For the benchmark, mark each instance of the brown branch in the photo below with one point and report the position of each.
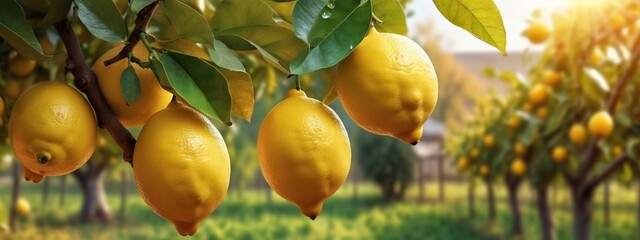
(142, 21)
(607, 172)
(86, 81)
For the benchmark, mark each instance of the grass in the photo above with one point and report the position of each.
(250, 216)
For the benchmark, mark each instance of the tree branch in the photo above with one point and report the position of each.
(607, 172)
(142, 21)
(86, 81)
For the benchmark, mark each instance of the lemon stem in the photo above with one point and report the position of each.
(152, 51)
(43, 157)
(297, 81)
(375, 18)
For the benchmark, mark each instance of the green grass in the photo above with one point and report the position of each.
(250, 216)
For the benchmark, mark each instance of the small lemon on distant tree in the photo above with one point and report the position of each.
(21, 66)
(475, 153)
(542, 113)
(538, 94)
(527, 107)
(617, 151)
(617, 20)
(601, 124)
(518, 167)
(537, 32)
(520, 149)
(514, 122)
(484, 170)
(551, 77)
(388, 86)
(596, 57)
(489, 141)
(12, 89)
(463, 164)
(23, 208)
(578, 134)
(559, 154)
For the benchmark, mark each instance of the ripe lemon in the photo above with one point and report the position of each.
(520, 149)
(388, 86)
(617, 21)
(617, 151)
(489, 141)
(559, 154)
(475, 153)
(514, 122)
(463, 164)
(52, 130)
(527, 107)
(518, 167)
(538, 32)
(12, 88)
(484, 170)
(551, 78)
(601, 124)
(181, 166)
(21, 66)
(596, 57)
(23, 208)
(152, 97)
(542, 113)
(578, 134)
(538, 94)
(304, 151)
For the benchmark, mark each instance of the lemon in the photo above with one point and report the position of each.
(475, 153)
(518, 167)
(527, 107)
(514, 122)
(559, 154)
(596, 57)
(484, 170)
(23, 207)
(617, 21)
(303, 151)
(538, 32)
(538, 94)
(52, 130)
(551, 78)
(388, 86)
(21, 66)
(152, 97)
(601, 124)
(617, 151)
(578, 134)
(12, 88)
(181, 166)
(463, 164)
(520, 149)
(542, 113)
(489, 141)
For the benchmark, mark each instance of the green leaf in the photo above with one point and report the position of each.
(241, 13)
(593, 84)
(137, 5)
(331, 33)
(15, 29)
(187, 23)
(130, 85)
(224, 57)
(103, 19)
(392, 16)
(241, 89)
(200, 84)
(481, 18)
(597, 79)
(283, 0)
(57, 12)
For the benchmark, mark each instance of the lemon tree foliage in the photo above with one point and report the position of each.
(172, 66)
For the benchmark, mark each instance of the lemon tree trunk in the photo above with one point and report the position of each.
(513, 184)
(544, 211)
(94, 202)
(491, 201)
(582, 213)
(15, 194)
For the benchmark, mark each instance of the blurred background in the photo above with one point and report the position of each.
(394, 190)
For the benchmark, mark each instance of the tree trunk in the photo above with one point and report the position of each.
(491, 201)
(441, 178)
(582, 201)
(123, 196)
(605, 206)
(45, 190)
(471, 197)
(63, 189)
(512, 190)
(94, 204)
(544, 211)
(15, 194)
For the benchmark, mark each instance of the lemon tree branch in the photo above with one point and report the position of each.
(86, 81)
(142, 21)
(607, 172)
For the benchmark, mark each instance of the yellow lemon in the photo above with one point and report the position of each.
(578, 134)
(617, 20)
(303, 151)
(601, 124)
(559, 154)
(514, 122)
(23, 207)
(520, 149)
(153, 97)
(617, 151)
(181, 166)
(542, 113)
(52, 130)
(538, 94)
(518, 167)
(489, 141)
(21, 66)
(596, 57)
(551, 77)
(12, 88)
(388, 86)
(527, 107)
(463, 164)
(538, 32)
(484, 170)
(475, 153)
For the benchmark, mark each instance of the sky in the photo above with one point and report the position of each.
(514, 15)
